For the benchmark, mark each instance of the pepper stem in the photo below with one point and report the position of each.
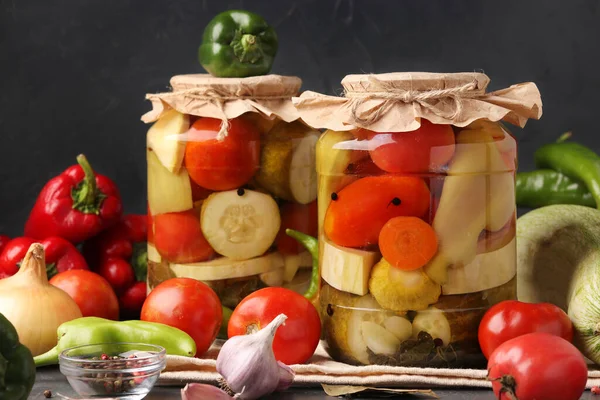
(48, 358)
(86, 197)
(564, 137)
(246, 47)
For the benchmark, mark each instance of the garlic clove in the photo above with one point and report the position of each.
(249, 367)
(286, 376)
(199, 391)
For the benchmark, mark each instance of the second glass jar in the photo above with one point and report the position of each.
(417, 241)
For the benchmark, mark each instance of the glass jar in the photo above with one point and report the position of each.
(221, 193)
(417, 213)
(417, 237)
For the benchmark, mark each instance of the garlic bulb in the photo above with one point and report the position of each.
(249, 367)
(33, 306)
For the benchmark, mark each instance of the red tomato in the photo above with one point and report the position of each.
(186, 304)
(91, 292)
(179, 239)
(296, 341)
(222, 164)
(300, 217)
(511, 318)
(364, 167)
(132, 300)
(427, 149)
(537, 366)
(118, 273)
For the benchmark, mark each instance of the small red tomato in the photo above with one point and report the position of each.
(222, 164)
(296, 341)
(178, 237)
(186, 304)
(426, 149)
(92, 293)
(132, 300)
(300, 217)
(511, 318)
(595, 390)
(537, 366)
(118, 273)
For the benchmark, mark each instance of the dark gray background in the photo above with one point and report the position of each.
(73, 73)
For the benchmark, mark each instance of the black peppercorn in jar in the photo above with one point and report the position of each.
(230, 167)
(416, 213)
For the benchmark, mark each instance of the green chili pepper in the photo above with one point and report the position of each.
(545, 187)
(226, 316)
(573, 160)
(92, 330)
(312, 245)
(17, 370)
(238, 44)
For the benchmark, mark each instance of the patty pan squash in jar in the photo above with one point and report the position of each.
(417, 213)
(230, 167)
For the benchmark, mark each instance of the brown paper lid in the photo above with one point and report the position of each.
(395, 102)
(226, 98)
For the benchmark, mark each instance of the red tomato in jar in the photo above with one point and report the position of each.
(300, 217)
(296, 341)
(426, 149)
(186, 304)
(509, 319)
(92, 293)
(222, 164)
(178, 237)
(537, 366)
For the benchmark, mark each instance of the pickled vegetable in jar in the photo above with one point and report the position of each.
(417, 213)
(230, 167)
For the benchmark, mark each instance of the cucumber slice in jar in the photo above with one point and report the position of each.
(240, 224)
(434, 322)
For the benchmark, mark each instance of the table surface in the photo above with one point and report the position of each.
(50, 378)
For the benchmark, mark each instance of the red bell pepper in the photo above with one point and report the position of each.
(61, 255)
(119, 254)
(75, 205)
(4, 239)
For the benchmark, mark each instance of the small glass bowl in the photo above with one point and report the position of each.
(125, 371)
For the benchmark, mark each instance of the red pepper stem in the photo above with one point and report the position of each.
(88, 194)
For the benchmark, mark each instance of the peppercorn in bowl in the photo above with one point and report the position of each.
(125, 371)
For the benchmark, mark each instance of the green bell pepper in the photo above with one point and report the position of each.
(544, 187)
(238, 44)
(92, 330)
(17, 370)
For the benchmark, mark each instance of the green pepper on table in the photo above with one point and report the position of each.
(545, 187)
(238, 44)
(92, 330)
(573, 160)
(17, 370)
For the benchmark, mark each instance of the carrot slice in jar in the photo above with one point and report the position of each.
(407, 243)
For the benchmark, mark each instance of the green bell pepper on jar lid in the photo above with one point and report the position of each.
(93, 330)
(238, 44)
(17, 370)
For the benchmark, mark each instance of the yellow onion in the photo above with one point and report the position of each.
(33, 306)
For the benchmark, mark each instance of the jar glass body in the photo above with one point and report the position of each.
(218, 206)
(417, 241)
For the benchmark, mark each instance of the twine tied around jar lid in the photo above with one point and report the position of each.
(396, 102)
(227, 98)
(388, 92)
